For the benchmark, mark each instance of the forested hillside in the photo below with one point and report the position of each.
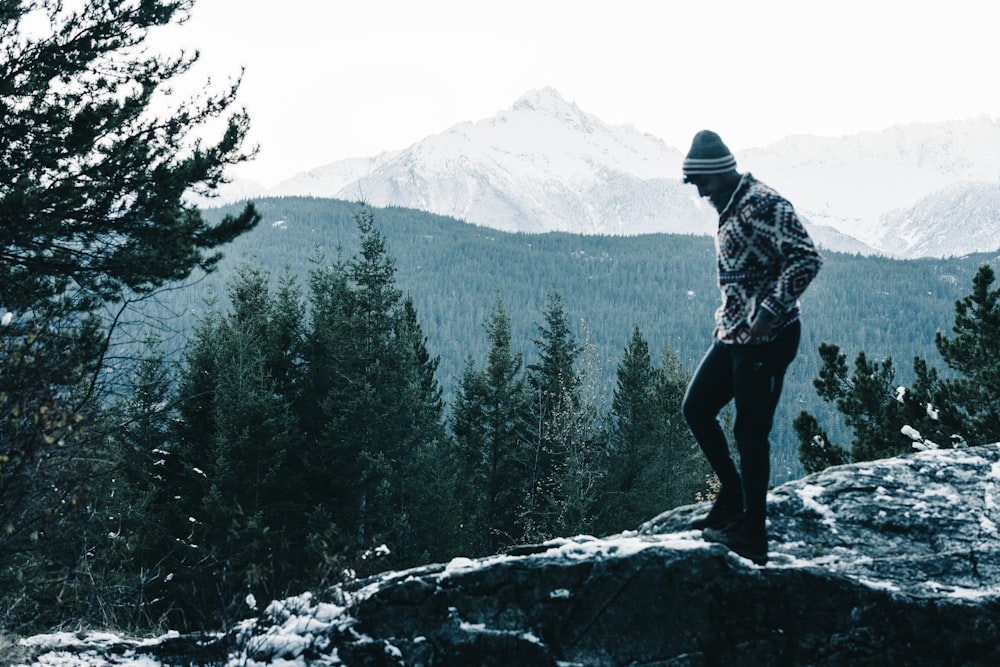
(662, 284)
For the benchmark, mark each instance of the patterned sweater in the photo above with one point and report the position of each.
(765, 260)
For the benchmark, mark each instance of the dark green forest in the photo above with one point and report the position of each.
(662, 284)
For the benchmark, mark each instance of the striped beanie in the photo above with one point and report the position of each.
(708, 155)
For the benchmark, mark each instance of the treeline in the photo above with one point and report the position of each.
(662, 284)
(303, 440)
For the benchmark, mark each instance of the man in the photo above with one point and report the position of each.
(765, 261)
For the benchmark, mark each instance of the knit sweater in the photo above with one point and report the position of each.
(766, 259)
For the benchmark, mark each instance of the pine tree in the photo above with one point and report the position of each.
(427, 480)
(654, 463)
(92, 180)
(238, 514)
(868, 399)
(330, 455)
(633, 441)
(934, 412)
(969, 404)
(379, 413)
(92, 212)
(487, 422)
(816, 450)
(685, 469)
(377, 424)
(561, 455)
(128, 522)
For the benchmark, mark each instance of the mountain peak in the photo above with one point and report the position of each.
(549, 104)
(545, 99)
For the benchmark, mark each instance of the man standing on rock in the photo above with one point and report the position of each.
(765, 260)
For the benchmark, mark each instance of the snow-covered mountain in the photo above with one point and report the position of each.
(544, 164)
(946, 222)
(924, 189)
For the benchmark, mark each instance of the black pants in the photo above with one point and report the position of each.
(752, 376)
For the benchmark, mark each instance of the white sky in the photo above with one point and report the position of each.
(332, 79)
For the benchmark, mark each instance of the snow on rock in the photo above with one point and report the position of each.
(885, 562)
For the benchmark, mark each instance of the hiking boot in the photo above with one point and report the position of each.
(741, 539)
(727, 506)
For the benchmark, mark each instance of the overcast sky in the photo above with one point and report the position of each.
(332, 79)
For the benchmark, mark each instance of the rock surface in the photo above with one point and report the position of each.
(890, 562)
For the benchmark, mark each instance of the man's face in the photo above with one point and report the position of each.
(711, 186)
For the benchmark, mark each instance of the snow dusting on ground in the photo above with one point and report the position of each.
(879, 524)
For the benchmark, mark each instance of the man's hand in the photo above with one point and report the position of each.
(762, 327)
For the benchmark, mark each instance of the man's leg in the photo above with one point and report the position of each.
(758, 376)
(710, 389)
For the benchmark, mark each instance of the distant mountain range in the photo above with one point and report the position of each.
(544, 164)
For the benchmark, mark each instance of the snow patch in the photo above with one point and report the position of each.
(808, 494)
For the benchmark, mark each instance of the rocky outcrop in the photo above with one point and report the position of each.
(891, 562)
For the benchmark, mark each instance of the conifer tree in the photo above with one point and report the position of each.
(934, 412)
(685, 468)
(427, 479)
(127, 528)
(632, 439)
(95, 161)
(816, 450)
(331, 458)
(653, 463)
(379, 408)
(231, 478)
(968, 405)
(487, 422)
(92, 180)
(867, 399)
(561, 454)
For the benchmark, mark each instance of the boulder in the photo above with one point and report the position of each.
(883, 563)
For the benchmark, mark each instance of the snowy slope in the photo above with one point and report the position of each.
(334, 179)
(955, 221)
(544, 164)
(857, 183)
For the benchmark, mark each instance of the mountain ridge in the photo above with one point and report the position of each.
(545, 164)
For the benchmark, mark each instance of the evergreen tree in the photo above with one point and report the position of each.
(561, 455)
(128, 521)
(968, 404)
(633, 442)
(377, 427)
(868, 400)
(92, 180)
(231, 479)
(654, 463)
(935, 412)
(427, 480)
(92, 185)
(816, 450)
(331, 458)
(487, 422)
(685, 469)
(379, 409)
